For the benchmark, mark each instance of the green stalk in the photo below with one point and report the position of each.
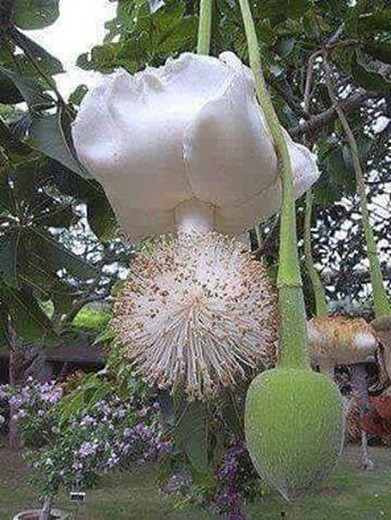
(319, 292)
(381, 302)
(258, 234)
(293, 332)
(204, 27)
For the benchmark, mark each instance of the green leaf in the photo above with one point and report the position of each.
(100, 215)
(27, 317)
(23, 178)
(9, 94)
(6, 202)
(4, 329)
(232, 415)
(78, 94)
(11, 144)
(279, 10)
(375, 22)
(57, 256)
(9, 258)
(285, 47)
(107, 335)
(31, 90)
(380, 51)
(55, 215)
(35, 14)
(93, 390)
(49, 137)
(366, 75)
(43, 58)
(191, 435)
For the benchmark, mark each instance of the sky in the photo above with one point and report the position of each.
(79, 27)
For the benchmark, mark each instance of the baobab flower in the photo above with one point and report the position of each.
(196, 313)
(191, 130)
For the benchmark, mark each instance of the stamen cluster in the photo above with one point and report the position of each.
(197, 312)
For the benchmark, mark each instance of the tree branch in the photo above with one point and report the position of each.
(362, 276)
(315, 124)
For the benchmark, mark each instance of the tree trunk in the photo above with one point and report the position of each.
(24, 361)
(14, 440)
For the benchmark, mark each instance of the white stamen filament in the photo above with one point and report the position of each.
(196, 311)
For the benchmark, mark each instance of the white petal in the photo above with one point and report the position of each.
(190, 129)
(227, 148)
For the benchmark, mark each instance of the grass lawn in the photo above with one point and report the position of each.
(351, 495)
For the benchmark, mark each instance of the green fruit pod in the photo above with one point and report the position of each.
(294, 425)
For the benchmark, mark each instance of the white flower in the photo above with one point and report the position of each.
(198, 312)
(190, 130)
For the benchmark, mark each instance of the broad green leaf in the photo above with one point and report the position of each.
(4, 338)
(62, 301)
(232, 415)
(366, 75)
(69, 183)
(31, 90)
(11, 144)
(78, 94)
(285, 47)
(107, 335)
(100, 215)
(57, 256)
(167, 408)
(9, 93)
(279, 10)
(55, 215)
(35, 14)
(380, 51)
(375, 22)
(49, 137)
(9, 258)
(23, 178)
(44, 59)
(6, 200)
(27, 317)
(192, 435)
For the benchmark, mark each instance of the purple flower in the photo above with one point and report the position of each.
(87, 449)
(87, 420)
(143, 412)
(128, 432)
(143, 431)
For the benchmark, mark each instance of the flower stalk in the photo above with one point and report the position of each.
(293, 335)
(204, 27)
(381, 302)
(319, 292)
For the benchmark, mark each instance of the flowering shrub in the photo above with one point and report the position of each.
(73, 447)
(234, 481)
(37, 416)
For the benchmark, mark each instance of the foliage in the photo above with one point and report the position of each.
(42, 187)
(72, 450)
(235, 481)
(92, 319)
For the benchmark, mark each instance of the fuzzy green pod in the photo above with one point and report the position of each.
(294, 424)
